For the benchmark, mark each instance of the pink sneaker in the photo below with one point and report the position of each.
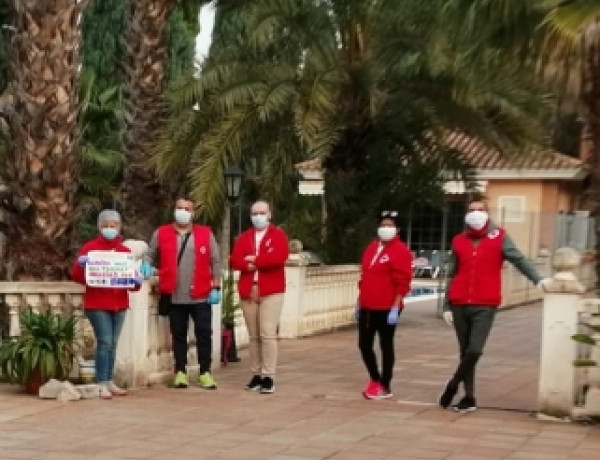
(374, 390)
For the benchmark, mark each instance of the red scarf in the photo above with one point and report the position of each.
(477, 234)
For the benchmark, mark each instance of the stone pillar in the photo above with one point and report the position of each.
(290, 325)
(556, 389)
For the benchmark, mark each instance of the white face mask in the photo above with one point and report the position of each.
(260, 221)
(386, 233)
(182, 217)
(476, 219)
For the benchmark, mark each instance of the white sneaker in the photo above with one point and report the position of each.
(105, 392)
(115, 390)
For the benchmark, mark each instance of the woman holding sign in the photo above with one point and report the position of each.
(107, 277)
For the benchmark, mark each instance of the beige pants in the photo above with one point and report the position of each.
(262, 318)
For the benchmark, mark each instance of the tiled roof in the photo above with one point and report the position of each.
(482, 157)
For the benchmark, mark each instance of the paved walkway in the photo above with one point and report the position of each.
(317, 411)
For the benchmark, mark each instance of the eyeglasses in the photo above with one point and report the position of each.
(389, 213)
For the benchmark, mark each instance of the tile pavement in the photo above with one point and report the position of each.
(317, 411)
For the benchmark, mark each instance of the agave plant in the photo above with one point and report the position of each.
(44, 350)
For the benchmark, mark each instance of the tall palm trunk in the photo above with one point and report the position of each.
(40, 167)
(146, 58)
(591, 98)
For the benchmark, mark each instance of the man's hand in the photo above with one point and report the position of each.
(146, 270)
(543, 284)
(251, 267)
(394, 315)
(250, 259)
(214, 297)
(82, 260)
(447, 315)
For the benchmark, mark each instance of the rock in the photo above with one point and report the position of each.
(88, 391)
(50, 389)
(68, 393)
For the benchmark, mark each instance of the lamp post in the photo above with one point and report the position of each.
(233, 184)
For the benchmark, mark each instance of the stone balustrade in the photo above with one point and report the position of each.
(565, 390)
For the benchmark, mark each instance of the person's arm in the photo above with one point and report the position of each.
(215, 262)
(274, 255)
(77, 271)
(511, 253)
(150, 256)
(237, 255)
(452, 269)
(401, 275)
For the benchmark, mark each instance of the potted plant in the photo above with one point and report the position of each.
(44, 350)
(229, 308)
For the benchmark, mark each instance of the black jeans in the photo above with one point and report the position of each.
(179, 316)
(472, 326)
(370, 323)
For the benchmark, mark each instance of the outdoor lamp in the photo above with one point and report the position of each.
(233, 182)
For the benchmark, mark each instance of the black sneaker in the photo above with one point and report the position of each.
(255, 383)
(267, 386)
(448, 394)
(466, 404)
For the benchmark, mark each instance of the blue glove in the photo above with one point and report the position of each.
(214, 297)
(393, 316)
(356, 311)
(82, 260)
(146, 270)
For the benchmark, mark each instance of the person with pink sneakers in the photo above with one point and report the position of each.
(385, 280)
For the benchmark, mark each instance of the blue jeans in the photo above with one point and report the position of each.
(107, 327)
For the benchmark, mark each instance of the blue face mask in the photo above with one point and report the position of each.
(109, 233)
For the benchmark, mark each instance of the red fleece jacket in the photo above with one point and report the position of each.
(111, 299)
(384, 276)
(270, 261)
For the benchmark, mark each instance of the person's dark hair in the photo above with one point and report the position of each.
(186, 198)
(477, 197)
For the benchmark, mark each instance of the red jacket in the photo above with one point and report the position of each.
(270, 261)
(385, 276)
(478, 277)
(167, 261)
(111, 299)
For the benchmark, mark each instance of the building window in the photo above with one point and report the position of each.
(511, 209)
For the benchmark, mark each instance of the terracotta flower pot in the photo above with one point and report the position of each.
(33, 384)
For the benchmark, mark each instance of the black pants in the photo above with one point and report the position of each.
(472, 326)
(179, 316)
(371, 322)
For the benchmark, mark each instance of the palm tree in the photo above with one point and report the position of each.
(353, 82)
(146, 62)
(40, 171)
(563, 39)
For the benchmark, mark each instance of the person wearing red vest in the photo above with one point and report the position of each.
(474, 294)
(260, 254)
(189, 271)
(105, 307)
(385, 280)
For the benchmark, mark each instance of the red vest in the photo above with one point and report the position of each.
(167, 261)
(478, 279)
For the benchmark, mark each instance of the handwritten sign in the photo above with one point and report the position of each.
(110, 269)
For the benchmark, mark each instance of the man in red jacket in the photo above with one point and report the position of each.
(474, 294)
(189, 272)
(260, 254)
(385, 280)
